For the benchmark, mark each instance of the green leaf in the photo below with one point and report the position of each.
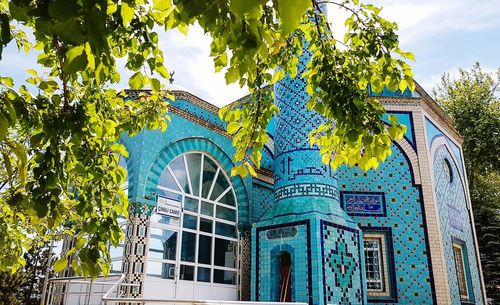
(233, 127)
(60, 264)
(76, 60)
(155, 84)
(162, 5)
(291, 14)
(240, 7)
(137, 81)
(127, 13)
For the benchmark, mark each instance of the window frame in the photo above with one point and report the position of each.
(390, 292)
(461, 248)
(179, 225)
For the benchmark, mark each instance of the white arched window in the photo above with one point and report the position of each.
(193, 235)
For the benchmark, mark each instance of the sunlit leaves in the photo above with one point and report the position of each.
(292, 13)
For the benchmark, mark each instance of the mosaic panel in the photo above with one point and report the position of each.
(389, 93)
(405, 215)
(136, 239)
(433, 132)
(262, 200)
(306, 189)
(341, 265)
(455, 224)
(199, 112)
(245, 265)
(363, 203)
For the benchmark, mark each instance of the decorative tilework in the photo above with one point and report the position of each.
(363, 203)
(405, 118)
(433, 132)
(405, 215)
(267, 263)
(306, 189)
(450, 196)
(341, 265)
(169, 152)
(137, 239)
(262, 199)
(389, 93)
(245, 265)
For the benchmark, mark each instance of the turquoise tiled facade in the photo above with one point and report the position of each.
(319, 216)
(352, 238)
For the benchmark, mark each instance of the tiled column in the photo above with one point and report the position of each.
(136, 243)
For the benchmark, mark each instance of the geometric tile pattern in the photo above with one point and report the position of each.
(451, 201)
(341, 265)
(262, 200)
(245, 263)
(405, 215)
(306, 189)
(136, 238)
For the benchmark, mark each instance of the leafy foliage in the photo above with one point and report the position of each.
(60, 146)
(472, 101)
(25, 285)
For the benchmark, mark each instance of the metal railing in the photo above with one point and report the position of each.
(112, 290)
(80, 291)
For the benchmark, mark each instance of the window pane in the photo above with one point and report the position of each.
(179, 170)
(220, 186)
(162, 244)
(459, 265)
(186, 273)
(116, 266)
(165, 219)
(225, 253)
(373, 264)
(203, 274)
(225, 213)
(207, 208)
(166, 180)
(228, 199)
(204, 249)
(161, 270)
(188, 246)
(205, 225)
(194, 167)
(225, 229)
(116, 251)
(224, 277)
(209, 170)
(191, 204)
(190, 222)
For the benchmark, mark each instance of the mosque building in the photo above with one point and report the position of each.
(299, 231)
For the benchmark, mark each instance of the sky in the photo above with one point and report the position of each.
(444, 35)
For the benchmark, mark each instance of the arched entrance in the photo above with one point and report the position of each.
(192, 252)
(285, 260)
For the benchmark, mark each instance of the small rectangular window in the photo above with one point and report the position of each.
(461, 272)
(374, 264)
(378, 261)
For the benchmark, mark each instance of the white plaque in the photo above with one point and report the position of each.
(168, 207)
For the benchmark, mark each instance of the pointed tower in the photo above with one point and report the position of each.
(306, 248)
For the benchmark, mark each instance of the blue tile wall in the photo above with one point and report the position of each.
(199, 112)
(451, 201)
(433, 132)
(151, 151)
(262, 199)
(405, 216)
